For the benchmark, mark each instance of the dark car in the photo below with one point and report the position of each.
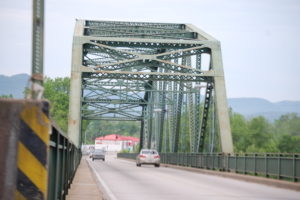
(98, 154)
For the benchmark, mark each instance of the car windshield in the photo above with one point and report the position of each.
(149, 152)
(98, 151)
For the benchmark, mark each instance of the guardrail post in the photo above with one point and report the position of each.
(245, 155)
(221, 161)
(207, 160)
(255, 156)
(63, 168)
(68, 165)
(57, 166)
(266, 165)
(213, 161)
(228, 157)
(218, 161)
(235, 155)
(294, 167)
(279, 166)
(186, 159)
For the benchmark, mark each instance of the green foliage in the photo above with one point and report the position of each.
(251, 136)
(57, 92)
(125, 151)
(239, 128)
(136, 148)
(288, 124)
(100, 128)
(289, 144)
(258, 135)
(4, 96)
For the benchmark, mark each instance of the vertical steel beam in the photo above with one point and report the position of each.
(178, 112)
(191, 110)
(150, 118)
(204, 117)
(174, 113)
(170, 116)
(146, 125)
(197, 108)
(142, 131)
(184, 131)
(75, 85)
(212, 133)
(162, 102)
(221, 100)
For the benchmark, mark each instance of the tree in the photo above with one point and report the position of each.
(57, 92)
(261, 136)
(289, 144)
(252, 136)
(287, 129)
(240, 132)
(4, 96)
(288, 124)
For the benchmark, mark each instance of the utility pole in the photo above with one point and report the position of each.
(37, 49)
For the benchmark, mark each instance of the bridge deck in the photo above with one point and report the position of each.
(84, 185)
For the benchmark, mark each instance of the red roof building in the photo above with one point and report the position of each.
(115, 142)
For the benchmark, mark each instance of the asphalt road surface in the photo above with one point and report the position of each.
(122, 180)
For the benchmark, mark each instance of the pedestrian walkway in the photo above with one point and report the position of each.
(84, 185)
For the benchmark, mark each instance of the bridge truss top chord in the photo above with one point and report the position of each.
(162, 74)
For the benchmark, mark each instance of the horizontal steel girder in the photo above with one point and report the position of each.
(155, 76)
(107, 24)
(138, 30)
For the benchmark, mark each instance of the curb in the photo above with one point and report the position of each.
(232, 175)
(107, 194)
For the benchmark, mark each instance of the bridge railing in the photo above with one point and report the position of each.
(280, 166)
(64, 158)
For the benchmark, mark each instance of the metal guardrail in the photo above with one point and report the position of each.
(64, 158)
(280, 166)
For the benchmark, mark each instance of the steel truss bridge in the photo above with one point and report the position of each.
(167, 76)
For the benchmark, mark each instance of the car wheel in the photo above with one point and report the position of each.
(157, 165)
(103, 159)
(93, 159)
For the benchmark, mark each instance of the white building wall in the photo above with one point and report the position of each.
(109, 145)
(114, 145)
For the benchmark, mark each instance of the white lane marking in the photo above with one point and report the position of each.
(109, 193)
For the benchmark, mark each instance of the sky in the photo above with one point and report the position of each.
(260, 38)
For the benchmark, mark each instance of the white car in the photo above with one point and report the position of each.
(148, 157)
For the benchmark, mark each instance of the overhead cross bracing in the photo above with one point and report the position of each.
(164, 75)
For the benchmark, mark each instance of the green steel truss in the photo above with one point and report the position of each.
(152, 73)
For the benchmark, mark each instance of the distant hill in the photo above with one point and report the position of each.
(249, 107)
(13, 85)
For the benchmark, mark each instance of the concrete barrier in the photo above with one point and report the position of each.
(24, 144)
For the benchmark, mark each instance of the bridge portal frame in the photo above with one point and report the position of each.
(187, 36)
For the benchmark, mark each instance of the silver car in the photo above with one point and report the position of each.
(149, 157)
(98, 154)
